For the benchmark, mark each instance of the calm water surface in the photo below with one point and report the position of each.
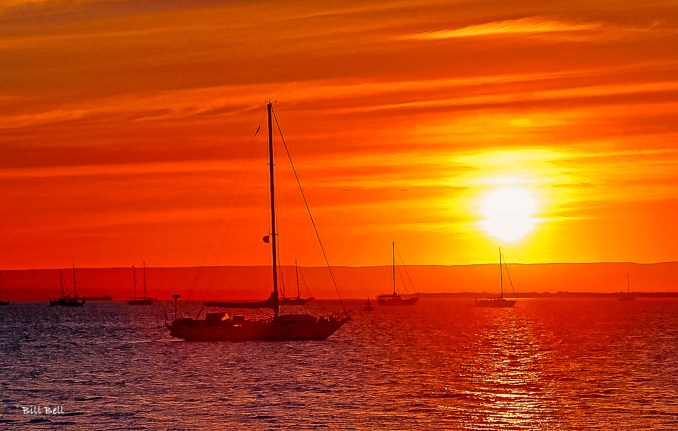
(547, 364)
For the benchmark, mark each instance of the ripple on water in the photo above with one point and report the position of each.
(543, 365)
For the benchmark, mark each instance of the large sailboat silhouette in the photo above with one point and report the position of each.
(221, 327)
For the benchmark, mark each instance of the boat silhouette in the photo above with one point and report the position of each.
(627, 296)
(140, 300)
(395, 298)
(295, 300)
(498, 301)
(65, 299)
(220, 326)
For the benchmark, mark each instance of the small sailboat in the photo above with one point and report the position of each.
(368, 305)
(66, 300)
(497, 301)
(140, 300)
(396, 298)
(297, 300)
(627, 296)
(281, 327)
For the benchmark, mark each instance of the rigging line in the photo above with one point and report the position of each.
(234, 193)
(308, 210)
(509, 276)
(401, 276)
(407, 273)
(282, 283)
(303, 280)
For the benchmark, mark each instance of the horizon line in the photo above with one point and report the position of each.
(347, 266)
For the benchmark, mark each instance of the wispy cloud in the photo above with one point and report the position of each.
(529, 25)
(397, 114)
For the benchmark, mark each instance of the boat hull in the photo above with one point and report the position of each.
(67, 302)
(495, 303)
(396, 300)
(283, 328)
(294, 301)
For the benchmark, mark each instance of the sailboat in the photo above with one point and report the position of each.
(627, 296)
(368, 305)
(281, 327)
(140, 300)
(497, 301)
(297, 300)
(396, 298)
(66, 300)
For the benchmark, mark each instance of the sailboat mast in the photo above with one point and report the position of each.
(145, 293)
(274, 248)
(393, 267)
(501, 276)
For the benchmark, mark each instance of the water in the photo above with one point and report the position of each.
(547, 364)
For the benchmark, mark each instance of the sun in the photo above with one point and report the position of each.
(508, 213)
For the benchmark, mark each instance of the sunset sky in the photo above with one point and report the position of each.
(127, 130)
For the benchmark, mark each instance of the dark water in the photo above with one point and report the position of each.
(545, 365)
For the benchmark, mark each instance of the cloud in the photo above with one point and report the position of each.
(530, 25)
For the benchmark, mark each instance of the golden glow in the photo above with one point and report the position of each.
(129, 131)
(517, 26)
(508, 213)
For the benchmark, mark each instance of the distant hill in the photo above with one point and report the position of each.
(355, 282)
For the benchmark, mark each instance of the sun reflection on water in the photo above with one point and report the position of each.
(508, 390)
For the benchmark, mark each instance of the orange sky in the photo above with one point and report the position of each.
(127, 129)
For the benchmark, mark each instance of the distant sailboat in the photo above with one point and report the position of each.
(282, 327)
(497, 301)
(298, 300)
(396, 298)
(627, 296)
(140, 300)
(65, 300)
(368, 305)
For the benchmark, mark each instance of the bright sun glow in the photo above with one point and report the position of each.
(508, 213)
